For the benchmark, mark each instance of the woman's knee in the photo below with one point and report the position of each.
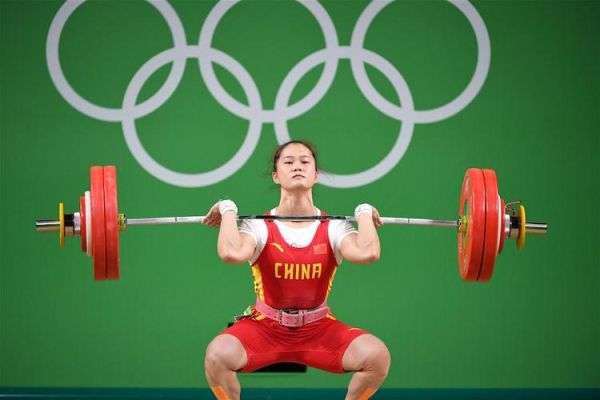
(368, 353)
(225, 352)
(381, 359)
(377, 357)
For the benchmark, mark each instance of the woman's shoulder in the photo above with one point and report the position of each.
(253, 225)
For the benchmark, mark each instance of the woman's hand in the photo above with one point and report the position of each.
(213, 216)
(369, 210)
(376, 218)
(216, 212)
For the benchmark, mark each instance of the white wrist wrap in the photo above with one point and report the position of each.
(227, 205)
(363, 209)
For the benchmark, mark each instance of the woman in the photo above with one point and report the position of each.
(293, 264)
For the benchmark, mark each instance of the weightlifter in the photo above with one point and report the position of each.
(293, 265)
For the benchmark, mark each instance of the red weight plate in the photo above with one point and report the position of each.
(502, 225)
(98, 227)
(492, 225)
(82, 225)
(470, 242)
(111, 215)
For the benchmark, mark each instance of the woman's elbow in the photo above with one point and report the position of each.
(373, 257)
(230, 257)
(368, 257)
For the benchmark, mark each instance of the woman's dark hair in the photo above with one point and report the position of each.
(305, 143)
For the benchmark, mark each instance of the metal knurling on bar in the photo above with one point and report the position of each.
(200, 219)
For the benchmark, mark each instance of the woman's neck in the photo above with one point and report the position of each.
(296, 203)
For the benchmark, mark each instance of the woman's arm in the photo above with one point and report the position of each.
(363, 247)
(233, 247)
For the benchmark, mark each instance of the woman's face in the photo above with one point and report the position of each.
(296, 168)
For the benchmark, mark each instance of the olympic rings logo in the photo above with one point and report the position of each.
(282, 111)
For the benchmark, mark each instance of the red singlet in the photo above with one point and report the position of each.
(294, 278)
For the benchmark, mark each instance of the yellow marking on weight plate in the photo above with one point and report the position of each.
(61, 221)
(522, 228)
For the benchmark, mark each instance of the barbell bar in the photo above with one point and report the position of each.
(485, 221)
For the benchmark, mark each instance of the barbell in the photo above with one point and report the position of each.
(485, 220)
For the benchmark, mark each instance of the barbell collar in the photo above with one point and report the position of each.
(72, 225)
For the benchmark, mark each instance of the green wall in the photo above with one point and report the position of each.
(535, 121)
